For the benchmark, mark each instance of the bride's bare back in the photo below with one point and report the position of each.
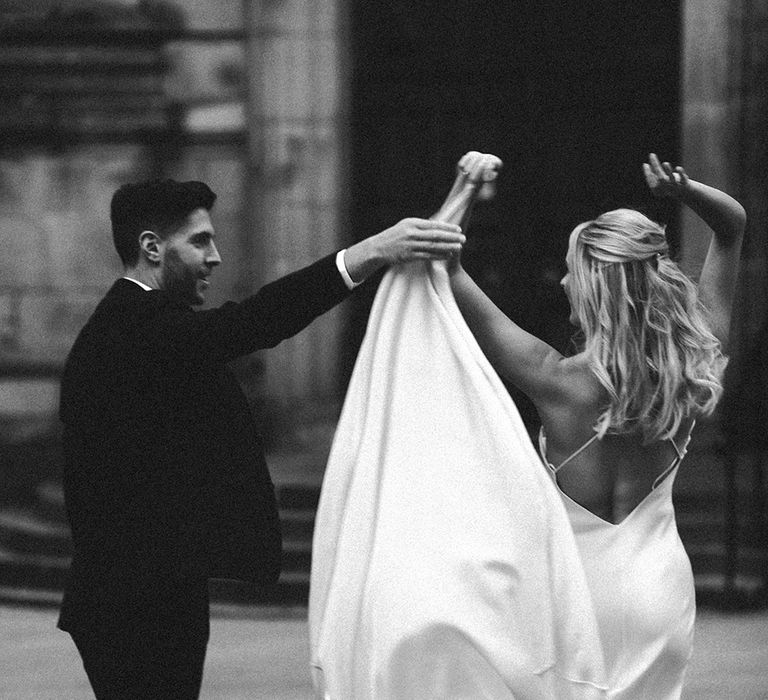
(609, 476)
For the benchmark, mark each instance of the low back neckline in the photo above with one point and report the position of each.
(658, 481)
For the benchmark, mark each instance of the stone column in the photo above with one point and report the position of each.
(725, 143)
(752, 167)
(296, 204)
(710, 106)
(725, 132)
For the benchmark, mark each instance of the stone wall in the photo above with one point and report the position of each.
(58, 260)
(263, 117)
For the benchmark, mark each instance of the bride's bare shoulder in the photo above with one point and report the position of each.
(574, 391)
(576, 373)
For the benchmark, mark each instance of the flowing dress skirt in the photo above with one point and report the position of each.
(444, 564)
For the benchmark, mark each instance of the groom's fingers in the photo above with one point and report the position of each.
(432, 254)
(437, 248)
(439, 226)
(437, 233)
(435, 245)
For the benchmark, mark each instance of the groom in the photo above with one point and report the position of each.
(165, 480)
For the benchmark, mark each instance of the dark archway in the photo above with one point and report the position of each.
(571, 95)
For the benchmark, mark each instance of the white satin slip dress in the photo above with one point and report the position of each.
(642, 588)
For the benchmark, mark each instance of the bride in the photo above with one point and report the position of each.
(617, 416)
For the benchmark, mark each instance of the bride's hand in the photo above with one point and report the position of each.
(480, 169)
(663, 180)
(475, 179)
(453, 263)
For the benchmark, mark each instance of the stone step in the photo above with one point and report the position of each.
(305, 497)
(50, 500)
(40, 578)
(298, 496)
(297, 556)
(298, 525)
(28, 529)
(699, 527)
(33, 529)
(712, 590)
(713, 559)
(29, 526)
(25, 530)
(297, 504)
(740, 592)
(32, 570)
(35, 546)
(291, 589)
(45, 572)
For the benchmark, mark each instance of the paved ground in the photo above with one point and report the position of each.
(262, 654)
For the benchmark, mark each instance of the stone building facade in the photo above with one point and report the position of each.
(253, 96)
(246, 96)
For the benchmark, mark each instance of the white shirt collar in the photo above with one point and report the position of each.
(145, 287)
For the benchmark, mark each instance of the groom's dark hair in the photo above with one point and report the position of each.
(153, 205)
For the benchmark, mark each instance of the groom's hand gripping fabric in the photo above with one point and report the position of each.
(408, 240)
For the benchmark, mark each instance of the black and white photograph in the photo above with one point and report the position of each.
(383, 351)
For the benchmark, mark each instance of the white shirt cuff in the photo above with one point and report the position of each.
(351, 284)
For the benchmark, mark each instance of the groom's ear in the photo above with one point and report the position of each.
(150, 246)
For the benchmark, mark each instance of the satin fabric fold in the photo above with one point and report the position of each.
(444, 565)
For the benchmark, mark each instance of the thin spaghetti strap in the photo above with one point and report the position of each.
(675, 462)
(681, 451)
(575, 454)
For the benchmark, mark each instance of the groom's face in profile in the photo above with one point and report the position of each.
(189, 255)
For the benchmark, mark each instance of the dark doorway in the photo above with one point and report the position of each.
(570, 94)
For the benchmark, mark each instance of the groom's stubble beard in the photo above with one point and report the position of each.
(179, 279)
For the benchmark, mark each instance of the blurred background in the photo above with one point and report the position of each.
(320, 122)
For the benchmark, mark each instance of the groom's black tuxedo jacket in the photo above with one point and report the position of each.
(164, 475)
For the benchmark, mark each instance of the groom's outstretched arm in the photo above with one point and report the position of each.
(408, 240)
(284, 307)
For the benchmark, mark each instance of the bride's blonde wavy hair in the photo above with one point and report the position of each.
(644, 329)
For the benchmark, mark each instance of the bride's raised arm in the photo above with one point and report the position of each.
(519, 357)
